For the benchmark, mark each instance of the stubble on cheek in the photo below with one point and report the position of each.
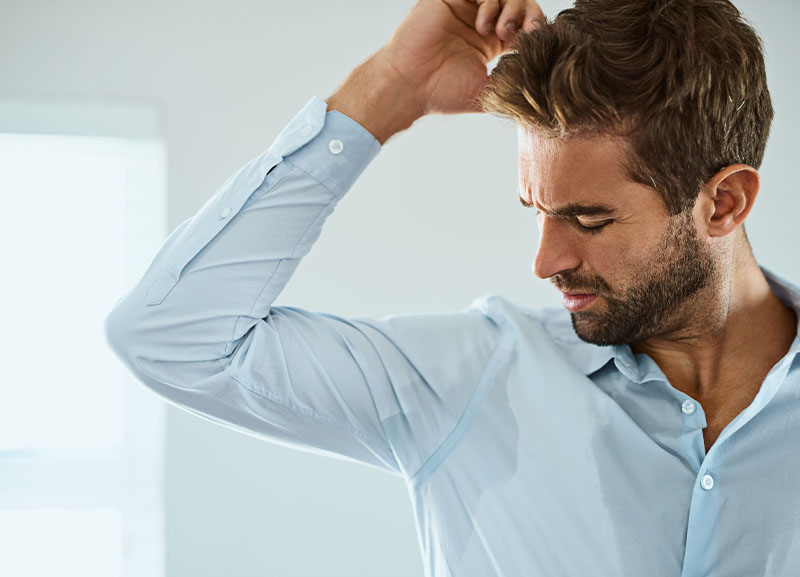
(654, 297)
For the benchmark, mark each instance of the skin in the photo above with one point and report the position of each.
(721, 342)
(434, 63)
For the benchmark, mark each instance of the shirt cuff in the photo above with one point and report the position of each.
(338, 154)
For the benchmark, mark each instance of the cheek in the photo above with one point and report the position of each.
(616, 260)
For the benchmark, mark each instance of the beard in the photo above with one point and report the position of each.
(654, 298)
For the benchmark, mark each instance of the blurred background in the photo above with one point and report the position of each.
(118, 120)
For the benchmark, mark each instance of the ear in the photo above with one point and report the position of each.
(726, 199)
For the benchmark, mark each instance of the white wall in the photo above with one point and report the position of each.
(436, 215)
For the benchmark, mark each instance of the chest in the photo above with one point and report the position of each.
(721, 410)
(546, 471)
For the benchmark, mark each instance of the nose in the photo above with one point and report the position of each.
(555, 253)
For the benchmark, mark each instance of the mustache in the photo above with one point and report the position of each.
(573, 283)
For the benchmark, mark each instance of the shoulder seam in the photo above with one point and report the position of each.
(452, 439)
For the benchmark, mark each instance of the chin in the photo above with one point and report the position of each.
(596, 332)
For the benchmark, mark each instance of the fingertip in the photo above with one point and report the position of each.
(506, 30)
(532, 25)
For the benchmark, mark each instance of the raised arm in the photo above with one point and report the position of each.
(434, 63)
(200, 330)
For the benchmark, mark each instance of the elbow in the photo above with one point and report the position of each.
(162, 351)
(120, 335)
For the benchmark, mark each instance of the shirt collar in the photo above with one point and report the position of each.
(789, 293)
(785, 290)
(641, 368)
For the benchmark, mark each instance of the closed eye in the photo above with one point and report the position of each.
(590, 227)
(593, 227)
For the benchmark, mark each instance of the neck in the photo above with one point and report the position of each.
(732, 331)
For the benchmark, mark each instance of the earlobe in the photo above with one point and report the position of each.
(733, 191)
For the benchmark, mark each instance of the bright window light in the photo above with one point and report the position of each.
(65, 542)
(63, 271)
(81, 444)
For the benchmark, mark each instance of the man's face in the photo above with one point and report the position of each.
(626, 269)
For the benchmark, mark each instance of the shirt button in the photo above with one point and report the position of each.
(226, 213)
(707, 482)
(335, 146)
(688, 407)
(305, 130)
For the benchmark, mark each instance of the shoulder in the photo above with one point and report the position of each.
(543, 333)
(550, 322)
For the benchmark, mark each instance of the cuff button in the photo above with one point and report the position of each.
(335, 146)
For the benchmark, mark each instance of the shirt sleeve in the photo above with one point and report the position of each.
(200, 330)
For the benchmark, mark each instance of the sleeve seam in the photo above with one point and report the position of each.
(294, 249)
(453, 438)
(311, 176)
(292, 254)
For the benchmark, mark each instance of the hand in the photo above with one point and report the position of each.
(442, 48)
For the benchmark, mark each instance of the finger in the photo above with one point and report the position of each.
(487, 16)
(510, 20)
(465, 11)
(534, 16)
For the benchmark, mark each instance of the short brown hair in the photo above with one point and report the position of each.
(683, 81)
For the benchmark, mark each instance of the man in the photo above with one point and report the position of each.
(649, 428)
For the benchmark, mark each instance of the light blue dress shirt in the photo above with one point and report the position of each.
(526, 451)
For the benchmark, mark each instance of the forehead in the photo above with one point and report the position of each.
(578, 169)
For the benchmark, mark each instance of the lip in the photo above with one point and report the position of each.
(577, 302)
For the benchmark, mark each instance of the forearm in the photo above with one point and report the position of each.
(377, 97)
(199, 328)
(219, 272)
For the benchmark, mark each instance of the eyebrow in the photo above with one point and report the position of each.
(573, 209)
